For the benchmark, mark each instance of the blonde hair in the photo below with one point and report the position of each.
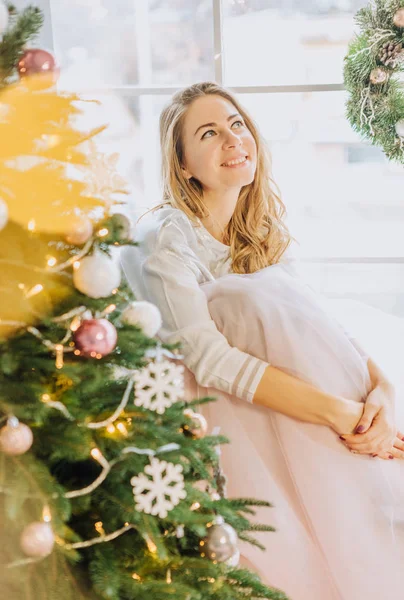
(255, 233)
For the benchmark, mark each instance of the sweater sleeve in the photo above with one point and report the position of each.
(170, 278)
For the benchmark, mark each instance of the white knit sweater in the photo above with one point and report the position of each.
(174, 259)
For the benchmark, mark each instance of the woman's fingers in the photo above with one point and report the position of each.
(384, 455)
(397, 451)
(376, 445)
(375, 441)
(400, 435)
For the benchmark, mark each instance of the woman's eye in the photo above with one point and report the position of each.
(210, 131)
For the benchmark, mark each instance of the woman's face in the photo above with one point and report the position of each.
(214, 135)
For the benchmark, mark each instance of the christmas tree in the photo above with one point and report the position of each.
(110, 486)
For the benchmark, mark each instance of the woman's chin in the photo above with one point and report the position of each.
(239, 178)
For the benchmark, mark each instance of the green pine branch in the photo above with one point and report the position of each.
(24, 27)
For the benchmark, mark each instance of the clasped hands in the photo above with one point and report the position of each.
(376, 433)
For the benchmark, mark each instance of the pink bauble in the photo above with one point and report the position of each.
(95, 338)
(79, 231)
(15, 438)
(37, 540)
(38, 62)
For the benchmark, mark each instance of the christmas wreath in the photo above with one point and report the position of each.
(372, 76)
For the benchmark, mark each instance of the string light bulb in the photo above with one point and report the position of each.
(121, 427)
(46, 514)
(34, 290)
(96, 454)
(99, 528)
(59, 356)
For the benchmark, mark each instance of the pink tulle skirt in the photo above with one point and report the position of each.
(339, 517)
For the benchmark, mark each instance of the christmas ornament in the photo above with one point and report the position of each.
(199, 425)
(159, 385)
(144, 315)
(15, 437)
(400, 128)
(221, 541)
(234, 560)
(3, 18)
(102, 178)
(391, 53)
(97, 275)
(3, 213)
(37, 540)
(378, 76)
(118, 228)
(35, 61)
(95, 338)
(372, 72)
(398, 18)
(80, 230)
(159, 489)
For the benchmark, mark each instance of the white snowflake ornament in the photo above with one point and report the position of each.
(159, 385)
(159, 489)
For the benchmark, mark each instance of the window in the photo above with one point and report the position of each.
(284, 59)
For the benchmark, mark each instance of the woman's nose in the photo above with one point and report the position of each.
(232, 139)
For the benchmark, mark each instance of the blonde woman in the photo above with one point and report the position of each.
(290, 380)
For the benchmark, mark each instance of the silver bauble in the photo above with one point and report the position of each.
(221, 541)
(234, 560)
(199, 425)
(80, 230)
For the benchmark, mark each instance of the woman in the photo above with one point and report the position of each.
(291, 381)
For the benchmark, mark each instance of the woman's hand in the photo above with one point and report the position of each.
(348, 416)
(376, 432)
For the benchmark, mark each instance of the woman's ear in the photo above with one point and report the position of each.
(186, 173)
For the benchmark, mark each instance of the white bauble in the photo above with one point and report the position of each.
(400, 128)
(37, 540)
(145, 315)
(3, 18)
(97, 275)
(3, 211)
